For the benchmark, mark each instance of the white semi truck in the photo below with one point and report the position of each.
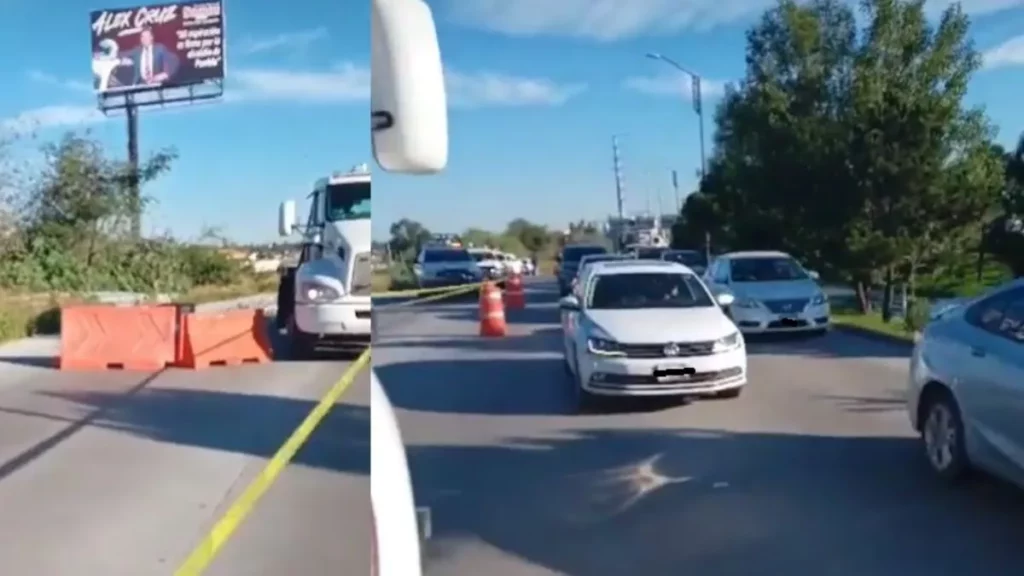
(326, 299)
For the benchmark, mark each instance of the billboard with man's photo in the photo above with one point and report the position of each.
(164, 45)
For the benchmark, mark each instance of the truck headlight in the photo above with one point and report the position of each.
(316, 292)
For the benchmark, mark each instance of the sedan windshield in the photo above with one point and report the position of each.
(453, 255)
(770, 269)
(629, 291)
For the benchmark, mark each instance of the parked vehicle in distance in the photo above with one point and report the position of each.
(589, 259)
(644, 252)
(696, 260)
(772, 291)
(649, 329)
(488, 261)
(569, 261)
(438, 266)
(966, 387)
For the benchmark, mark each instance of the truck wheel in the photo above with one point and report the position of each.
(285, 299)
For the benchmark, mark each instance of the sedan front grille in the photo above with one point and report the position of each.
(686, 349)
(791, 305)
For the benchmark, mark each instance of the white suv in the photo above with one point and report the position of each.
(649, 328)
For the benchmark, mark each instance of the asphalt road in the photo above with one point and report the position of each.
(121, 474)
(814, 470)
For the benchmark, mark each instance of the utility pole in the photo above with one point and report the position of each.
(620, 187)
(135, 194)
(675, 189)
(696, 97)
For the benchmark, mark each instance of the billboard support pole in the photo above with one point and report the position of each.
(135, 202)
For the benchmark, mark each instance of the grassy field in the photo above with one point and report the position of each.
(24, 315)
(874, 323)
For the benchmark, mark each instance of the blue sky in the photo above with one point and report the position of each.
(537, 89)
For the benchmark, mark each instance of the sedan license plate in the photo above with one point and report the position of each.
(790, 322)
(673, 372)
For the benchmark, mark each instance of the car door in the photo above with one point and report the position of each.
(1003, 364)
(978, 374)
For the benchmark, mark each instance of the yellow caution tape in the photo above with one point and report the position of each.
(201, 557)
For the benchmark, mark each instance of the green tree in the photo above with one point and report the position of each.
(406, 238)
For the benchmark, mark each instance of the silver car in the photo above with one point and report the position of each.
(966, 386)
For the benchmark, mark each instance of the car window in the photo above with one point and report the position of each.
(435, 256)
(988, 313)
(574, 253)
(721, 273)
(1012, 325)
(768, 269)
(637, 290)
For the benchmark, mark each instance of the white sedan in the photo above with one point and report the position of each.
(649, 329)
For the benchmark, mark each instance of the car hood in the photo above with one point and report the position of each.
(781, 290)
(658, 325)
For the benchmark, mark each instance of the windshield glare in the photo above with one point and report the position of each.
(647, 290)
(348, 201)
(773, 269)
(433, 256)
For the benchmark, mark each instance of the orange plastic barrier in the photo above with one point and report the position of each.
(492, 312)
(98, 337)
(515, 298)
(225, 339)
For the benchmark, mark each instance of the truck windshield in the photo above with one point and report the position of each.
(348, 201)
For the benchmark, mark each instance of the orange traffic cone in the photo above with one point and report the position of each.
(492, 312)
(515, 299)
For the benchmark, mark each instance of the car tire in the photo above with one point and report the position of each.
(942, 437)
(581, 401)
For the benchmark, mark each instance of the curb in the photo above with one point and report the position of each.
(876, 336)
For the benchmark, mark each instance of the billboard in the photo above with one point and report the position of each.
(165, 45)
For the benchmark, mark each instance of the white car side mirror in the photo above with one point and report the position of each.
(814, 275)
(725, 299)
(407, 92)
(569, 303)
(286, 218)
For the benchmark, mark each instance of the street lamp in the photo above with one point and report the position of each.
(697, 101)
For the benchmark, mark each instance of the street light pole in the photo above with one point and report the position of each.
(698, 104)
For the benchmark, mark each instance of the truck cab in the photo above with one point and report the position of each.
(326, 299)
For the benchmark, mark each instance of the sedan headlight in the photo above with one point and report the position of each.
(819, 299)
(317, 292)
(746, 303)
(729, 343)
(601, 344)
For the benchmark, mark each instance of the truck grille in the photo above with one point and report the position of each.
(362, 275)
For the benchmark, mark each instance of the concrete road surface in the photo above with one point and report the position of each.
(814, 470)
(121, 474)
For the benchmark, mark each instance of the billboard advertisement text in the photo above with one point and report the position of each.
(157, 46)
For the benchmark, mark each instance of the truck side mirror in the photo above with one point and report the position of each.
(286, 221)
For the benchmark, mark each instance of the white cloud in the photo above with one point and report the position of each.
(351, 83)
(73, 85)
(287, 40)
(1009, 53)
(60, 116)
(608, 20)
(344, 83)
(490, 89)
(674, 83)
